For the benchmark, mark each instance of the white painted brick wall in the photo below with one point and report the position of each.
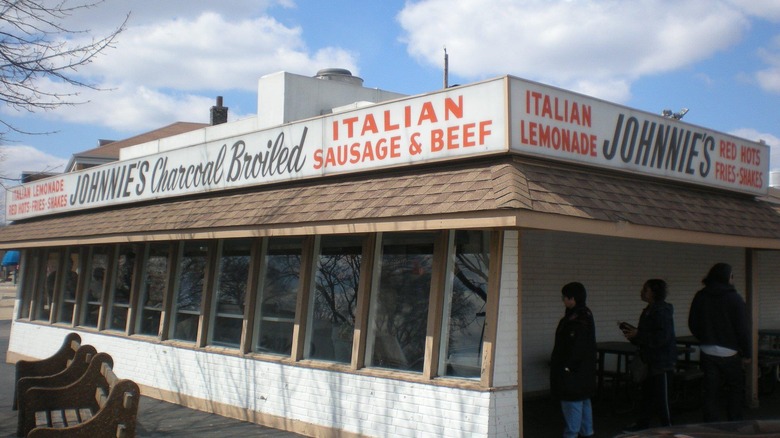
(384, 407)
(769, 289)
(506, 340)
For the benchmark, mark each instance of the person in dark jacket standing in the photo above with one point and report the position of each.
(573, 362)
(718, 319)
(658, 350)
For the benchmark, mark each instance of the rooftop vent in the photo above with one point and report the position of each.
(339, 74)
(218, 113)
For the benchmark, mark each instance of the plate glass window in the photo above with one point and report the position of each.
(465, 299)
(230, 296)
(189, 291)
(278, 295)
(49, 279)
(153, 287)
(97, 268)
(124, 272)
(399, 302)
(332, 315)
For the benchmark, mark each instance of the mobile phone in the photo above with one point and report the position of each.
(624, 326)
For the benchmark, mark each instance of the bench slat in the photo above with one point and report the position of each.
(85, 414)
(108, 373)
(58, 419)
(101, 397)
(72, 417)
(42, 418)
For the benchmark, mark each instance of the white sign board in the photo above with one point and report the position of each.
(570, 127)
(496, 116)
(455, 123)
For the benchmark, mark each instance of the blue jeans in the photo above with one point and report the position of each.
(577, 418)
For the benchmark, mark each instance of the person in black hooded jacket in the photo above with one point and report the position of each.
(718, 319)
(573, 362)
(658, 349)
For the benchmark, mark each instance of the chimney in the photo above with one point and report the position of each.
(219, 113)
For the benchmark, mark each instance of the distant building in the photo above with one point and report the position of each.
(108, 150)
(357, 262)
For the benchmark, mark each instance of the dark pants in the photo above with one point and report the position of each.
(655, 399)
(724, 381)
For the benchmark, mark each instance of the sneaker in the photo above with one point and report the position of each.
(635, 427)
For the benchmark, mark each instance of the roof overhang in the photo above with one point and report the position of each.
(496, 192)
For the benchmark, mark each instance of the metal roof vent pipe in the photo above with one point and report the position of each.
(339, 74)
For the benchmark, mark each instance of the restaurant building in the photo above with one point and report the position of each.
(355, 262)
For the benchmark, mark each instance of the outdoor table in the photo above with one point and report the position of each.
(688, 342)
(623, 351)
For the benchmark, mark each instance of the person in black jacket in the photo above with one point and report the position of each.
(573, 362)
(718, 319)
(658, 350)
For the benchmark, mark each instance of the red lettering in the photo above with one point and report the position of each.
(460, 136)
(725, 172)
(728, 150)
(427, 114)
(750, 155)
(369, 125)
(388, 125)
(450, 107)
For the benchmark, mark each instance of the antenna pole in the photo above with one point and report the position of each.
(446, 68)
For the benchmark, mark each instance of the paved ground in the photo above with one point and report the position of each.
(7, 295)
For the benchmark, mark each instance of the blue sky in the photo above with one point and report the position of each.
(718, 58)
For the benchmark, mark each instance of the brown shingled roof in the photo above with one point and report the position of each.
(486, 187)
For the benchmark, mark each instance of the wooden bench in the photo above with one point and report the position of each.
(76, 368)
(49, 366)
(99, 404)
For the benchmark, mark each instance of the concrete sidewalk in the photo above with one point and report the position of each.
(7, 298)
(155, 418)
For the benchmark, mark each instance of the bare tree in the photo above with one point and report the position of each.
(36, 44)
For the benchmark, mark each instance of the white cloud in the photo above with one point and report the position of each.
(127, 107)
(769, 78)
(573, 44)
(18, 159)
(210, 52)
(766, 9)
(160, 71)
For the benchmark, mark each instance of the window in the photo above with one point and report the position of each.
(230, 296)
(30, 281)
(67, 285)
(119, 298)
(466, 288)
(189, 289)
(49, 281)
(278, 295)
(153, 288)
(332, 314)
(97, 269)
(399, 302)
